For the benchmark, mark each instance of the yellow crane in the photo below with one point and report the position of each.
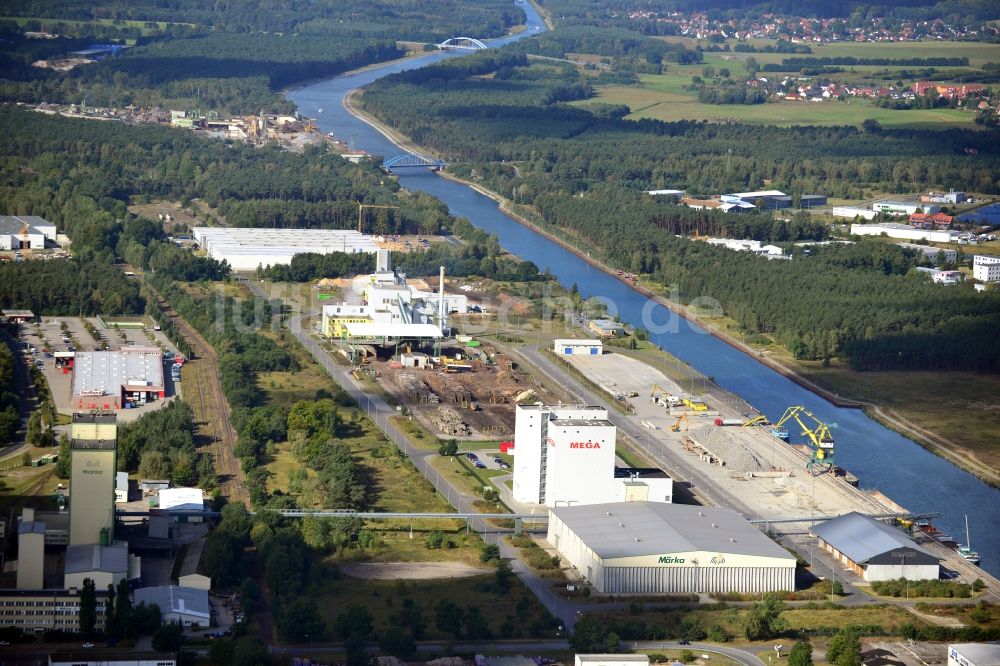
(361, 210)
(760, 419)
(819, 435)
(676, 427)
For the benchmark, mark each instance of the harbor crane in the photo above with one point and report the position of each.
(820, 439)
(760, 419)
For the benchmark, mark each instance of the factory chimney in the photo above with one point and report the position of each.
(441, 300)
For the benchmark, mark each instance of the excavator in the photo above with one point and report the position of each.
(676, 427)
(662, 396)
(820, 438)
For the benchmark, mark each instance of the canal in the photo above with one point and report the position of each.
(881, 458)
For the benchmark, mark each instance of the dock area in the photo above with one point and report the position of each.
(747, 467)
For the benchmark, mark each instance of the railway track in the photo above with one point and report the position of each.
(202, 387)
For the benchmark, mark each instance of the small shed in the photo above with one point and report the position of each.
(577, 347)
(415, 360)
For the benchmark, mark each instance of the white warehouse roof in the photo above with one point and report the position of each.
(633, 529)
(106, 372)
(182, 499)
(861, 537)
(248, 248)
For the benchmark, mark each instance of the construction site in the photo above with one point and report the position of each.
(467, 393)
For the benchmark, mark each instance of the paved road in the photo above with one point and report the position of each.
(531, 647)
(381, 413)
(679, 469)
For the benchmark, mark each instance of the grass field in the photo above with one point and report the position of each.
(662, 97)
(668, 96)
(978, 53)
(147, 27)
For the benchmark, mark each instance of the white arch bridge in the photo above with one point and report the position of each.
(462, 44)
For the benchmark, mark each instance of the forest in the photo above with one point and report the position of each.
(222, 60)
(161, 445)
(585, 177)
(10, 417)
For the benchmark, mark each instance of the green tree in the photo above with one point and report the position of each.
(449, 447)
(300, 619)
(801, 654)
(434, 540)
(34, 433)
(355, 621)
(25, 459)
(219, 557)
(123, 609)
(168, 638)
(109, 612)
(397, 642)
(448, 618)
(590, 634)
(88, 608)
(719, 634)
(489, 552)
(476, 626)
(63, 463)
(844, 649)
(763, 621)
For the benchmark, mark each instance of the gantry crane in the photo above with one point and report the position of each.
(361, 209)
(760, 419)
(819, 436)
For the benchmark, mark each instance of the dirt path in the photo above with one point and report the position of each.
(410, 570)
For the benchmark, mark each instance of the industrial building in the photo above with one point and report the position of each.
(189, 574)
(772, 199)
(974, 654)
(30, 552)
(893, 207)
(611, 660)
(986, 268)
(184, 605)
(245, 249)
(951, 197)
(941, 276)
(874, 550)
(181, 499)
(852, 212)
(109, 380)
(606, 328)
(752, 246)
(93, 468)
(392, 309)
(654, 548)
(47, 610)
(105, 565)
(586, 347)
(904, 232)
(565, 456)
(112, 657)
(25, 233)
(934, 254)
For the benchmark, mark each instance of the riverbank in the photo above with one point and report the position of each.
(932, 441)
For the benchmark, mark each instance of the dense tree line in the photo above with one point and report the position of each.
(76, 286)
(397, 19)
(161, 445)
(731, 94)
(585, 177)
(227, 59)
(560, 149)
(10, 417)
(796, 64)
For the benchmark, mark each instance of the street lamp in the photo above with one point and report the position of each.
(902, 555)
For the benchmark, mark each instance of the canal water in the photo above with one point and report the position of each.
(881, 458)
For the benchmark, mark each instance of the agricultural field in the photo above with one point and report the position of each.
(670, 96)
(663, 97)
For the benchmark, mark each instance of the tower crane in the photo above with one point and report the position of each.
(819, 436)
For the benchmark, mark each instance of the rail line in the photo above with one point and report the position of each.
(212, 412)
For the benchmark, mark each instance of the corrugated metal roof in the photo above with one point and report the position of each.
(175, 599)
(861, 538)
(632, 529)
(93, 557)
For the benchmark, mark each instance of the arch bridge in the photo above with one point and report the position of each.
(412, 160)
(462, 44)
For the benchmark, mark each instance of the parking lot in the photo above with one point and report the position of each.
(68, 334)
(487, 460)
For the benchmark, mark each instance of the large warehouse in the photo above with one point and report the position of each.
(116, 379)
(245, 249)
(875, 550)
(25, 233)
(654, 548)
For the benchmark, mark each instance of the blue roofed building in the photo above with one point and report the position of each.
(874, 550)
